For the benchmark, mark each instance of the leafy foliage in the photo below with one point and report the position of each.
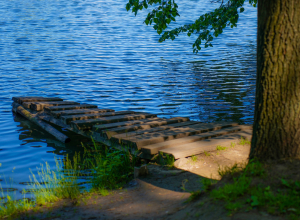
(207, 26)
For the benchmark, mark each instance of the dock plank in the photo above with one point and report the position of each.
(57, 114)
(174, 133)
(154, 148)
(69, 118)
(199, 147)
(151, 124)
(49, 109)
(20, 100)
(88, 124)
(99, 128)
(118, 137)
(39, 106)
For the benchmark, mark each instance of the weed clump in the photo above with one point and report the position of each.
(219, 148)
(249, 188)
(167, 160)
(194, 158)
(206, 154)
(110, 168)
(244, 141)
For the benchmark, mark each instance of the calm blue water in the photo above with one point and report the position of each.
(95, 51)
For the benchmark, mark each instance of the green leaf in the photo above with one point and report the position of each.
(254, 201)
(285, 183)
(242, 9)
(128, 6)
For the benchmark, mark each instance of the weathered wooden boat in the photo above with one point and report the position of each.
(177, 136)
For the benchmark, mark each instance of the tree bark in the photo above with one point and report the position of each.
(276, 129)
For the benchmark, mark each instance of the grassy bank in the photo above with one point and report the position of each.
(269, 189)
(102, 168)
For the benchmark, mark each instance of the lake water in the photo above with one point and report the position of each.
(94, 51)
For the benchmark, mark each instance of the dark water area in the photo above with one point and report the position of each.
(94, 51)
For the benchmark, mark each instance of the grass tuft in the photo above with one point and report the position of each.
(241, 193)
(206, 154)
(167, 160)
(244, 141)
(194, 158)
(219, 148)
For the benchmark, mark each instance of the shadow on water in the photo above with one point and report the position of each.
(31, 133)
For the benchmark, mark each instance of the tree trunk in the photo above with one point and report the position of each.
(276, 129)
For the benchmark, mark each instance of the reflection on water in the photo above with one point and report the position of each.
(94, 51)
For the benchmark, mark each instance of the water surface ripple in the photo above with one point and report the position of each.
(96, 52)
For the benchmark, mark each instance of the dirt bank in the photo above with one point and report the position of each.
(160, 195)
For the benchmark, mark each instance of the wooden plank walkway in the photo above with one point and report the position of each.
(176, 136)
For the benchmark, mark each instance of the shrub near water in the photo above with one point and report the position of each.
(111, 168)
(107, 169)
(62, 183)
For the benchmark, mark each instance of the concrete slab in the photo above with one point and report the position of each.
(154, 148)
(211, 144)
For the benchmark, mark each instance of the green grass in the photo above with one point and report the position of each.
(194, 158)
(111, 168)
(244, 141)
(219, 148)
(207, 183)
(206, 153)
(167, 160)
(240, 194)
(57, 184)
(231, 170)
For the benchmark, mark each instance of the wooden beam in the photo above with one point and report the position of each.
(118, 137)
(69, 118)
(39, 106)
(170, 134)
(20, 100)
(147, 125)
(57, 114)
(34, 118)
(68, 107)
(89, 123)
(99, 128)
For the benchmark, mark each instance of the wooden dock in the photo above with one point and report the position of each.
(177, 136)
